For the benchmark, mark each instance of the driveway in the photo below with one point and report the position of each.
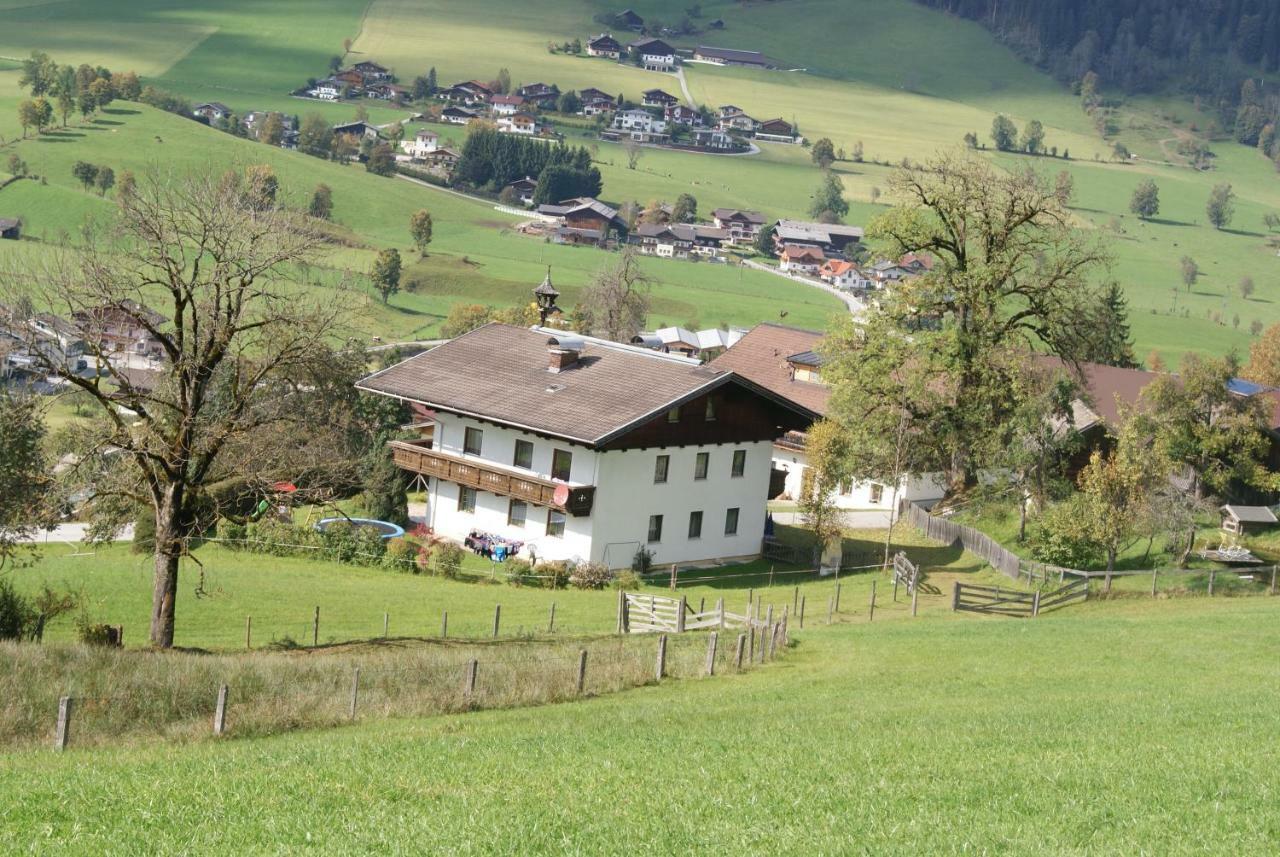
(856, 307)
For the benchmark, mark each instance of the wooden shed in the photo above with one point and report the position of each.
(1244, 520)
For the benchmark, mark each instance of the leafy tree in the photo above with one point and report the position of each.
(1039, 438)
(1004, 134)
(271, 131)
(386, 273)
(763, 242)
(1190, 271)
(829, 204)
(102, 92)
(616, 304)
(1246, 287)
(39, 73)
(971, 140)
(431, 81)
(24, 478)
(128, 184)
(420, 226)
(1264, 357)
(1221, 205)
(335, 63)
(127, 86)
(685, 210)
(464, 318)
(382, 160)
(825, 445)
(1108, 339)
(242, 401)
(421, 88)
(106, 180)
(260, 187)
(1033, 137)
(1120, 152)
(28, 116)
(823, 153)
(321, 202)
(315, 137)
(569, 102)
(560, 181)
(857, 152)
(1064, 188)
(84, 172)
(503, 81)
(1145, 201)
(1012, 275)
(386, 496)
(633, 150)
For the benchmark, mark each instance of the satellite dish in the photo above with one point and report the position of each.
(561, 495)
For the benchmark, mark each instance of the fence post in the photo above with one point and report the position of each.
(63, 735)
(1035, 604)
(955, 595)
(751, 643)
(786, 636)
(831, 608)
(355, 691)
(895, 586)
(220, 711)
(773, 642)
(469, 686)
(802, 612)
(444, 624)
(673, 577)
(680, 608)
(737, 655)
(622, 605)
(702, 605)
(872, 614)
(248, 632)
(764, 630)
(837, 604)
(1154, 572)
(720, 611)
(582, 670)
(315, 628)
(711, 653)
(661, 667)
(750, 595)
(1273, 580)
(915, 593)
(768, 619)
(497, 618)
(1213, 573)
(551, 620)
(795, 600)
(386, 624)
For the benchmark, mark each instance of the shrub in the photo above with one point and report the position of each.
(554, 575)
(1059, 540)
(422, 562)
(232, 533)
(627, 579)
(17, 616)
(590, 575)
(399, 555)
(642, 561)
(446, 560)
(520, 573)
(92, 633)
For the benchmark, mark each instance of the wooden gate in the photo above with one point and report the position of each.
(905, 572)
(1009, 602)
(639, 614)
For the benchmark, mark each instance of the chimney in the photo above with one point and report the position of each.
(561, 358)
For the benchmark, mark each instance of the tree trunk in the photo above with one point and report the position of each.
(1191, 543)
(164, 594)
(1111, 560)
(893, 519)
(1022, 518)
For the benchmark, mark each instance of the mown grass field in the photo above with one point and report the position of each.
(904, 80)
(1111, 728)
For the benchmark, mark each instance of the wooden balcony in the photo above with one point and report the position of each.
(418, 457)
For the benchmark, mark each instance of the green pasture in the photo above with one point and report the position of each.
(1113, 728)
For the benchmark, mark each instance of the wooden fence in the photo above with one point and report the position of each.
(641, 613)
(790, 554)
(995, 601)
(978, 542)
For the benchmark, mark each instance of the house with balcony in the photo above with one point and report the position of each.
(742, 225)
(585, 449)
(654, 54)
(424, 142)
(638, 125)
(604, 45)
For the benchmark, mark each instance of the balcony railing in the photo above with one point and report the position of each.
(418, 457)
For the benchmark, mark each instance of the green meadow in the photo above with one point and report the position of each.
(902, 80)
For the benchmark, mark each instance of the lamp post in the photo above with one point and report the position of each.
(546, 295)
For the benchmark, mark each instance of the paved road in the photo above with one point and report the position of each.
(856, 307)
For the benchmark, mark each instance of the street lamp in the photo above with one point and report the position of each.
(546, 295)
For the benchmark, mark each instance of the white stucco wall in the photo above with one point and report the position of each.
(921, 490)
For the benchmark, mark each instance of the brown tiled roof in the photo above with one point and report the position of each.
(1107, 387)
(499, 373)
(761, 356)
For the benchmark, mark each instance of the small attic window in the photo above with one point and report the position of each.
(673, 415)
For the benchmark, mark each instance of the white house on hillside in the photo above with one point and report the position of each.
(423, 143)
(580, 448)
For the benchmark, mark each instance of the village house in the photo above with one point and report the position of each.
(710, 138)
(787, 362)
(424, 142)
(10, 228)
(843, 275)
(704, 345)
(523, 189)
(253, 120)
(442, 160)
(387, 92)
(350, 80)
(678, 240)
(729, 56)
(123, 328)
(678, 114)
(370, 71)
(326, 90)
(604, 45)
(595, 101)
(519, 123)
(657, 98)
(505, 105)
(654, 54)
(30, 347)
(458, 115)
(211, 111)
(833, 238)
(567, 447)
(801, 259)
(543, 95)
(639, 125)
(468, 92)
(585, 220)
(358, 129)
(732, 119)
(629, 20)
(743, 226)
(775, 130)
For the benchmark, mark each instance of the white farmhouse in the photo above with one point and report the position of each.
(640, 125)
(784, 360)
(423, 143)
(585, 449)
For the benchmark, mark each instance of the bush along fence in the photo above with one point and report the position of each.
(122, 696)
(1248, 580)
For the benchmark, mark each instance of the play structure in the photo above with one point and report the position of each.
(385, 529)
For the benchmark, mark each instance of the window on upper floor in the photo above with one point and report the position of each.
(472, 441)
(555, 523)
(661, 465)
(517, 512)
(524, 455)
(695, 525)
(561, 464)
(701, 464)
(877, 492)
(673, 415)
(655, 528)
(731, 522)
(711, 409)
(466, 499)
(739, 463)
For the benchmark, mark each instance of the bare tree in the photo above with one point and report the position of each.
(243, 349)
(616, 304)
(634, 150)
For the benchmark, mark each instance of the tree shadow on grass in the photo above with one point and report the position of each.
(120, 111)
(1245, 233)
(1160, 221)
(70, 138)
(106, 122)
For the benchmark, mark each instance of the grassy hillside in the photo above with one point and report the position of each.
(903, 80)
(1108, 728)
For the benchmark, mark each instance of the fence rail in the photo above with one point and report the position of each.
(640, 614)
(995, 601)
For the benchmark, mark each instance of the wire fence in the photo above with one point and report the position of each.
(110, 697)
